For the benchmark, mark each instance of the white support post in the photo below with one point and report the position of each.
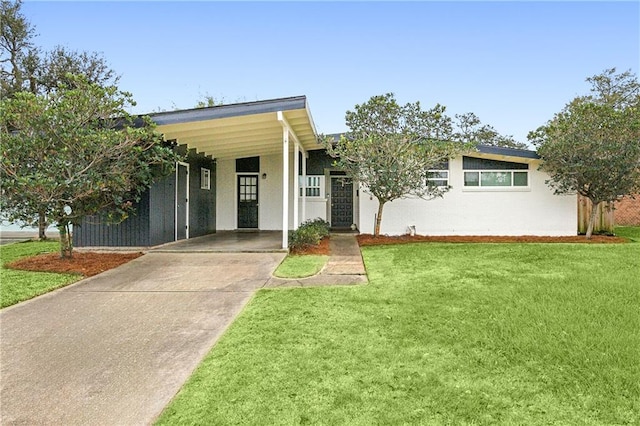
(296, 185)
(285, 187)
(304, 186)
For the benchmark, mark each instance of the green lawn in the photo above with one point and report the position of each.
(532, 334)
(295, 266)
(631, 232)
(16, 286)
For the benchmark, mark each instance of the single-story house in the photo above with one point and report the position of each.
(258, 166)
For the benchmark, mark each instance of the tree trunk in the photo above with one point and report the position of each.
(592, 218)
(42, 226)
(66, 246)
(376, 230)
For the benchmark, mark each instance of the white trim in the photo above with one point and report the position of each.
(235, 197)
(175, 233)
(296, 185)
(206, 184)
(285, 124)
(489, 188)
(304, 186)
(285, 183)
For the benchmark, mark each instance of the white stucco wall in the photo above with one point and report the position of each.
(269, 193)
(316, 208)
(495, 211)
(512, 211)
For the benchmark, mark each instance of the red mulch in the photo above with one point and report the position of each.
(322, 248)
(83, 263)
(370, 240)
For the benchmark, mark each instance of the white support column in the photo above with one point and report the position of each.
(285, 187)
(305, 155)
(296, 185)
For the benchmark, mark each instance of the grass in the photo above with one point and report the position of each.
(17, 286)
(300, 266)
(466, 334)
(631, 232)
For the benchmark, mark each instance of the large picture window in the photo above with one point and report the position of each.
(487, 173)
(496, 178)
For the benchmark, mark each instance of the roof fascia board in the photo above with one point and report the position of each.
(232, 110)
(508, 152)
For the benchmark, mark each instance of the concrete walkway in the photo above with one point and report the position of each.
(344, 267)
(115, 348)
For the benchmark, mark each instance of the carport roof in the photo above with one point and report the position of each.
(240, 130)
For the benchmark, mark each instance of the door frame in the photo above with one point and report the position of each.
(354, 195)
(175, 230)
(236, 201)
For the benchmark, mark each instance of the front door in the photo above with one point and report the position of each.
(248, 201)
(341, 202)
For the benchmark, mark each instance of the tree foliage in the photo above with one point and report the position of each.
(26, 67)
(18, 54)
(76, 152)
(592, 146)
(390, 147)
(471, 129)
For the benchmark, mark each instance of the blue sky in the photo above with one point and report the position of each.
(514, 64)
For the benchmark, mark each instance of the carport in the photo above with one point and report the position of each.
(282, 127)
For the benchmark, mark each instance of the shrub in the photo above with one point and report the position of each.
(309, 233)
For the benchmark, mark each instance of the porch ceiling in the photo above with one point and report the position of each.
(239, 130)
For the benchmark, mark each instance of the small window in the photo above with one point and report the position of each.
(313, 188)
(520, 179)
(471, 178)
(438, 178)
(205, 178)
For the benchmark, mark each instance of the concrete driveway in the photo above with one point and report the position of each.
(114, 349)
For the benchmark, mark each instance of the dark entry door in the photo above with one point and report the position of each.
(182, 201)
(341, 202)
(247, 201)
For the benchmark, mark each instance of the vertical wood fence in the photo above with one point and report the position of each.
(604, 219)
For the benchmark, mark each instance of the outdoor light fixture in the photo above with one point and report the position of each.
(264, 176)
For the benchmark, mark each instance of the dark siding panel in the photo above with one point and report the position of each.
(132, 232)
(471, 163)
(202, 202)
(318, 161)
(162, 211)
(154, 222)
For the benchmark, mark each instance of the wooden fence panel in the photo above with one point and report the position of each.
(604, 219)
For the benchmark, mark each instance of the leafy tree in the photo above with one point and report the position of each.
(18, 55)
(470, 129)
(390, 147)
(76, 152)
(592, 146)
(57, 64)
(25, 67)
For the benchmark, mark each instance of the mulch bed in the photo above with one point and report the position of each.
(370, 240)
(322, 248)
(86, 264)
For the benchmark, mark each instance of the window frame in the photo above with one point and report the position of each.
(313, 187)
(511, 187)
(205, 178)
(437, 179)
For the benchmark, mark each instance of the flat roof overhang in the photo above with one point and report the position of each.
(505, 154)
(240, 130)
